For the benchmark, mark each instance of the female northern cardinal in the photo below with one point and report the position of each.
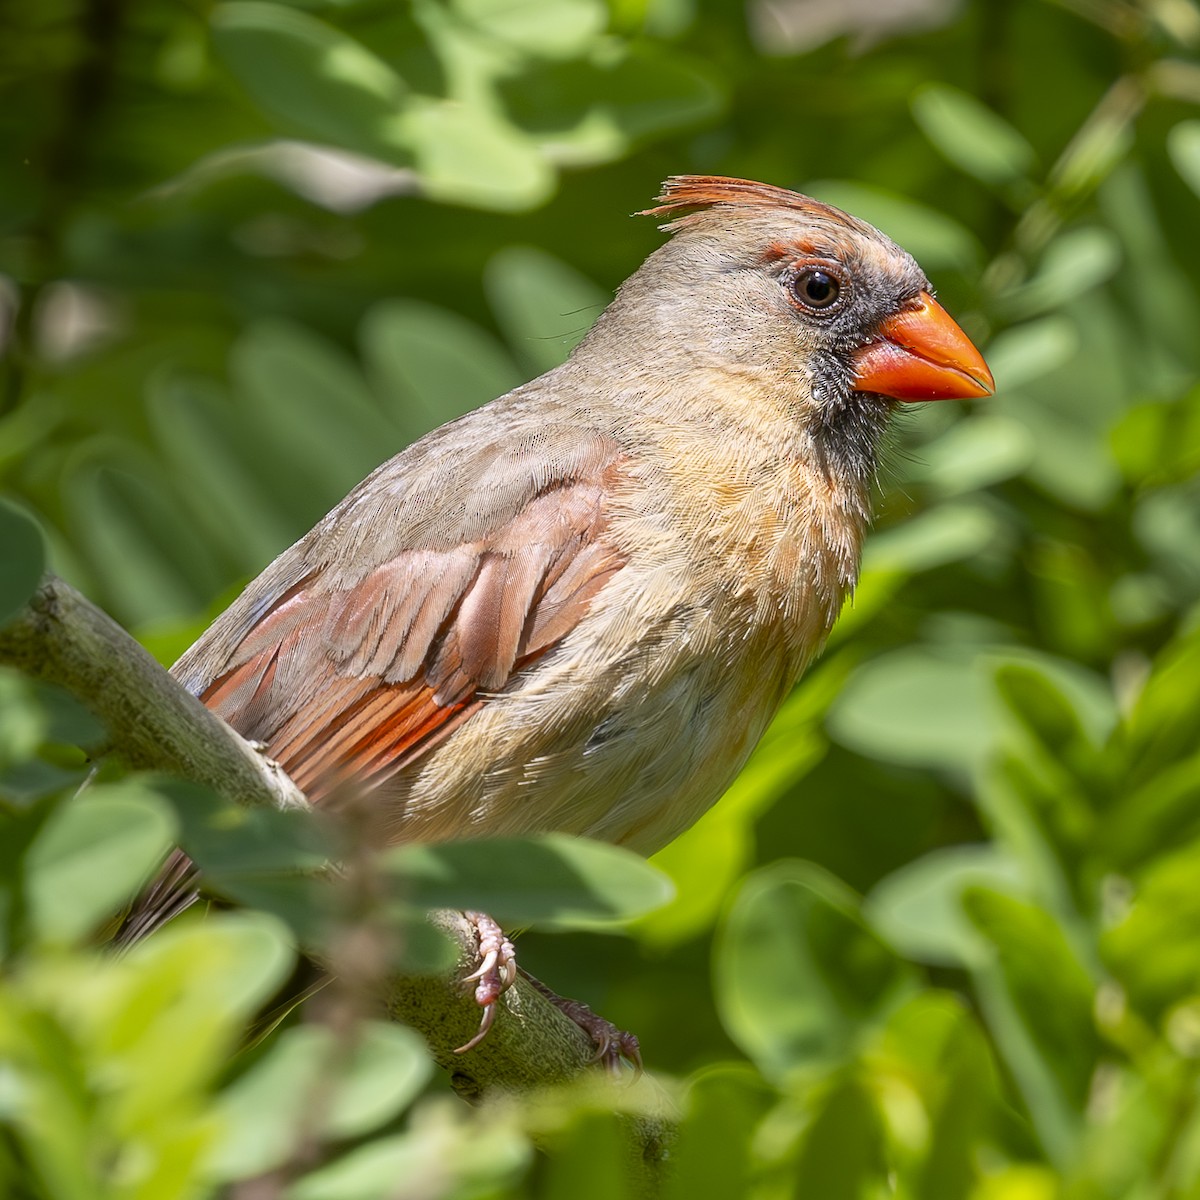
(578, 607)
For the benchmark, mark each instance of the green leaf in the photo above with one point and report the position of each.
(928, 234)
(138, 538)
(1183, 145)
(93, 855)
(232, 839)
(543, 306)
(944, 534)
(182, 998)
(260, 857)
(1164, 726)
(466, 153)
(975, 453)
(265, 1108)
(1045, 711)
(916, 707)
(1074, 263)
(799, 976)
(713, 1154)
(593, 111)
(436, 1158)
(431, 365)
(547, 28)
(311, 77)
(1159, 442)
(842, 1157)
(224, 467)
(586, 1157)
(1032, 350)
(970, 135)
(944, 1056)
(22, 559)
(554, 881)
(1154, 949)
(312, 402)
(918, 908)
(1051, 993)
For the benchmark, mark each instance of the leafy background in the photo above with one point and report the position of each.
(942, 939)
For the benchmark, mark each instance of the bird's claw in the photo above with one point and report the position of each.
(612, 1044)
(496, 973)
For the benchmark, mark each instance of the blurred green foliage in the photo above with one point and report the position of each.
(942, 938)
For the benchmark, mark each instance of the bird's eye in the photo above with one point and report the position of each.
(815, 288)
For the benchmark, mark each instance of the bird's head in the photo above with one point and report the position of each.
(772, 277)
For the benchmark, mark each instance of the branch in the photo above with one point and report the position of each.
(156, 724)
(62, 638)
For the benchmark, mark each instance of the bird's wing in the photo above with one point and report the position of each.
(348, 676)
(427, 590)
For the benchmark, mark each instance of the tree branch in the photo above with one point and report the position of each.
(155, 724)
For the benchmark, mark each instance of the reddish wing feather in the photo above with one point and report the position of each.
(357, 684)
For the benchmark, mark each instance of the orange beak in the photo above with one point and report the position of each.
(921, 354)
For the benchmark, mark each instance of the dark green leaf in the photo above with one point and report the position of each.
(842, 1155)
(311, 77)
(544, 306)
(22, 559)
(553, 882)
(1051, 992)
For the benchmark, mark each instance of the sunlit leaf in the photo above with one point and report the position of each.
(970, 135)
(918, 909)
(93, 855)
(799, 976)
(592, 111)
(359, 1088)
(469, 154)
(558, 28)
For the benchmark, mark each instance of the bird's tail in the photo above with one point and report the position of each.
(173, 890)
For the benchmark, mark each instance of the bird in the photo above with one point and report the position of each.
(577, 607)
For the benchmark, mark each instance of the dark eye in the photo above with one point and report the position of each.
(815, 288)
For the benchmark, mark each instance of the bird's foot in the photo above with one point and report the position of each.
(496, 973)
(612, 1044)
